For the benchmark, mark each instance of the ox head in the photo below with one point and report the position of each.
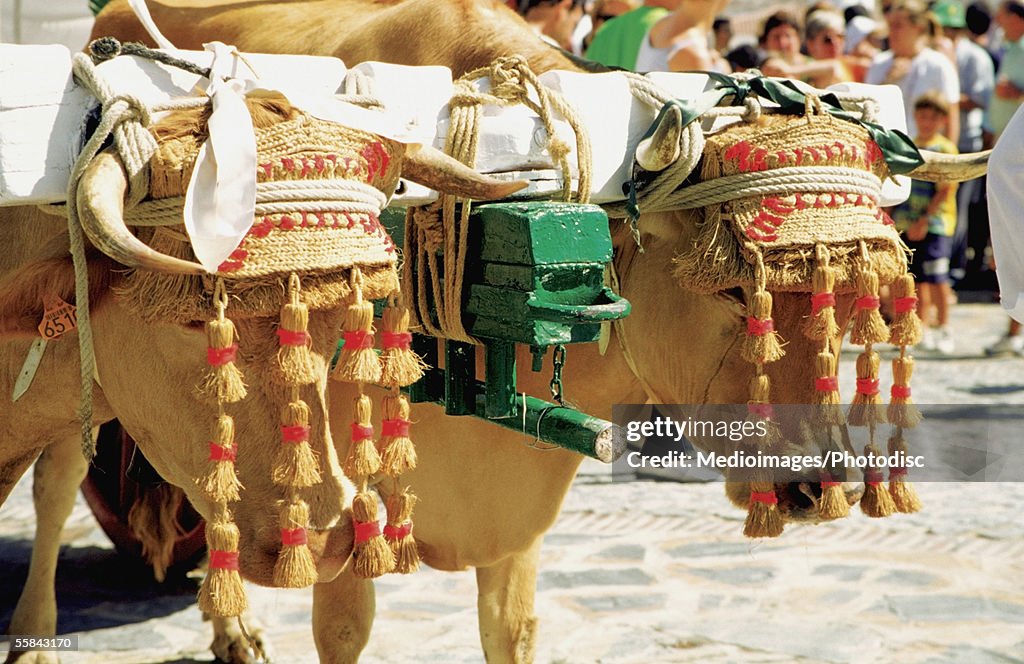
(768, 281)
(163, 327)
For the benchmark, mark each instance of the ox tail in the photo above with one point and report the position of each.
(153, 520)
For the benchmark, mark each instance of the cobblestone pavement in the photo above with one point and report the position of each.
(645, 572)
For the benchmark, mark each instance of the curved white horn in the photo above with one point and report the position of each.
(939, 167)
(659, 150)
(101, 212)
(431, 167)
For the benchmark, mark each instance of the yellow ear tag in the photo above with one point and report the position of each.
(58, 318)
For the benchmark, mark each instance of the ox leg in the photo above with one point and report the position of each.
(59, 471)
(231, 646)
(342, 617)
(505, 607)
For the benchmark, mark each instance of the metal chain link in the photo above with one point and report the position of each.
(558, 361)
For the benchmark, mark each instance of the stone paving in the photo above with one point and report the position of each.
(644, 571)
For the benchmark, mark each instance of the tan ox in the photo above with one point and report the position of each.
(675, 347)
(149, 369)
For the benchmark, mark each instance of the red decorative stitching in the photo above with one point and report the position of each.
(286, 223)
(288, 163)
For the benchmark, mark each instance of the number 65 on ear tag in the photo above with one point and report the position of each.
(58, 318)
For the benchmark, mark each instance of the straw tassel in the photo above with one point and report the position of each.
(903, 494)
(295, 567)
(822, 323)
(222, 593)
(400, 366)
(295, 464)
(867, 408)
(398, 532)
(398, 453)
(905, 329)
(358, 362)
(877, 501)
(363, 458)
(902, 410)
(826, 389)
(294, 357)
(833, 504)
(372, 555)
(763, 516)
(761, 344)
(868, 325)
(223, 381)
(220, 483)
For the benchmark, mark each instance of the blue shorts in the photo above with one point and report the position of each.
(930, 262)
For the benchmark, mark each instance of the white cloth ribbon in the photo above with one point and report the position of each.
(220, 201)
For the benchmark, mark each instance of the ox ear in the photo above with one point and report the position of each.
(24, 291)
(660, 148)
(431, 167)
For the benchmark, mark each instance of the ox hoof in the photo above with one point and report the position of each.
(230, 646)
(32, 657)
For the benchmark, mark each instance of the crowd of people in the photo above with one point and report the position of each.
(959, 66)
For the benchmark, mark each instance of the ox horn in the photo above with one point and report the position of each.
(433, 168)
(659, 150)
(939, 167)
(101, 212)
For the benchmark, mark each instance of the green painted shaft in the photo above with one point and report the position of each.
(500, 377)
(550, 423)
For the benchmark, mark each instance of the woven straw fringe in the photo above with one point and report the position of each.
(903, 494)
(402, 543)
(219, 482)
(867, 408)
(372, 555)
(295, 567)
(877, 502)
(222, 593)
(295, 465)
(398, 455)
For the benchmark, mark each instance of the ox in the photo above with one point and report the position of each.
(149, 367)
(464, 518)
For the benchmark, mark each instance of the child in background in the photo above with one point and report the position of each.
(927, 221)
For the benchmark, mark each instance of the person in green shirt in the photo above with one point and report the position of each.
(618, 41)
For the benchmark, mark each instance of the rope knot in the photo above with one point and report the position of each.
(428, 220)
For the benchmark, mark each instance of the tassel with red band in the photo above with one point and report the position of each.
(826, 389)
(904, 496)
(223, 381)
(761, 343)
(358, 362)
(295, 464)
(868, 325)
(220, 483)
(763, 516)
(902, 410)
(400, 365)
(867, 408)
(905, 329)
(877, 502)
(371, 553)
(833, 503)
(222, 593)
(294, 357)
(295, 567)
(822, 323)
(398, 532)
(397, 452)
(363, 458)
